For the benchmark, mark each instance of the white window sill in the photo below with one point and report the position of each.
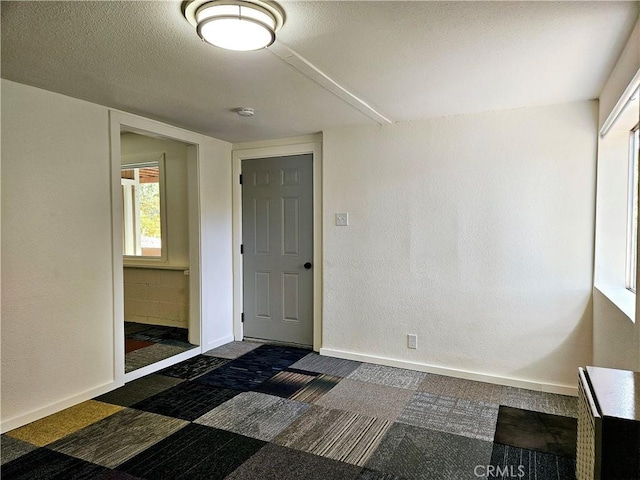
(622, 298)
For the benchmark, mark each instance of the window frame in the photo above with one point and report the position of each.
(632, 210)
(144, 160)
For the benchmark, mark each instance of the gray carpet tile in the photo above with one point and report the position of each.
(415, 453)
(139, 390)
(316, 388)
(368, 474)
(255, 415)
(461, 388)
(12, 448)
(369, 399)
(539, 401)
(233, 350)
(344, 436)
(332, 366)
(452, 415)
(117, 438)
(148, 355)
(279, 463)
(390, 376)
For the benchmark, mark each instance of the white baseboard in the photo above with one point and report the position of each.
(56, 407)
(452, 372)
(217, 343)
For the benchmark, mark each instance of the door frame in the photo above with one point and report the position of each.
(312, 145)
(117, 122)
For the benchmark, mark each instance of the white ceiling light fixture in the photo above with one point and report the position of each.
(235, 24)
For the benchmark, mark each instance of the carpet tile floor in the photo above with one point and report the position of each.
(248, 410)
(148, 344)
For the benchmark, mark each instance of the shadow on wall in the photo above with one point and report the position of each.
(575, 351)
(614, 337)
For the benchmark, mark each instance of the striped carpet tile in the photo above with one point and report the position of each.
(531, 465)
(138, 390)
(343, 436)
(316, 388)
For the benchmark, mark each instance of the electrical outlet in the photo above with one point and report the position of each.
(412, 341)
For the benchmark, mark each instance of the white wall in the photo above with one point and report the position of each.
(474, 232)
(616, 338)
(57, 295)
(57, 303)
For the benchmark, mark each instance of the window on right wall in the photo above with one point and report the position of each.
(632, 208)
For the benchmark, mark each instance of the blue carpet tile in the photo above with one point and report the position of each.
(281, 413)
(195, 452)
(187, 400)
(252, 369)
(194, 367)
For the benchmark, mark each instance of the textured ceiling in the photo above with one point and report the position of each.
(408, 60)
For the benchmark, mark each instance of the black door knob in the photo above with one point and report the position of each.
(308, 265)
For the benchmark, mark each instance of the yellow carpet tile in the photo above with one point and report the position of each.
(54, 427)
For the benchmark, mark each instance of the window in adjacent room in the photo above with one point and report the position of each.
(632, 225)
(143, 222)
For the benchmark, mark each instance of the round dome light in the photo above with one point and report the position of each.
(235, 25)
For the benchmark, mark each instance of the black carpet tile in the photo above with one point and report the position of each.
(279, 463)
(193, 367)
(252, 369)
(187, 400)
(115, 475)
(193, 453)
(416, 453)
(44, 464)
(524, 464)
(537, 431)
(138, 390)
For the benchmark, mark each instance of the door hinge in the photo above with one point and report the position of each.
(242, 317)
(240, 179)
(241, 249)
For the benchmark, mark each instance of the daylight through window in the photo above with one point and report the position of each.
(141, 216)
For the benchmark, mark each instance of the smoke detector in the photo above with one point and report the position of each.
(245, 111)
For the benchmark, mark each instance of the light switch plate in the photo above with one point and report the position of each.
(342, 219)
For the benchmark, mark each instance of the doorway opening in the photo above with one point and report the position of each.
(156, 246)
